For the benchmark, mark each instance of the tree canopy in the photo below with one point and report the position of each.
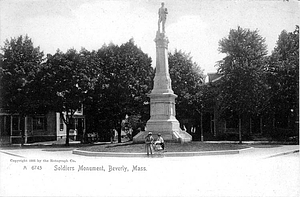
(186, 78)
(283, 80)
(283, 72)
(114, 81)
(65, 80)
(20, 63)
(243, 90)
(243, 85)
(126, 79)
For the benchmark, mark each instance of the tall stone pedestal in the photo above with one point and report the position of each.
(162, 100)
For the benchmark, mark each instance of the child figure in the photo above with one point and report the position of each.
(149, 143)
(160, 141)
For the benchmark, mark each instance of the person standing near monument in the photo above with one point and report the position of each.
(149, 143)
(160, 141)
(162, 16)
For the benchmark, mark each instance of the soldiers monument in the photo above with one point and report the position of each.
(162, 98)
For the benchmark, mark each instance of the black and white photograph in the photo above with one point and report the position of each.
(149, 98)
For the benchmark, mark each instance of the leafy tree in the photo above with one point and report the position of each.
(136, 124)
(187, 77)
(283, 75)
(127, 75)
(65, 80)
(243, 88)
(20, 64)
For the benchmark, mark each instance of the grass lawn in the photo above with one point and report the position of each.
(169, 147)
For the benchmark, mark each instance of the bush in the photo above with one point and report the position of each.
(280, 134)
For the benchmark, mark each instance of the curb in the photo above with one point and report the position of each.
(166, 154)
(250, 142)
(283, 153)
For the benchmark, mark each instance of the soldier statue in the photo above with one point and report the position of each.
(162, 16)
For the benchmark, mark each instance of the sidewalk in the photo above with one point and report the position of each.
(267, 151)
(50, 143)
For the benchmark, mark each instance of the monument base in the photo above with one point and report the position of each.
(169, 130)
(162, 119)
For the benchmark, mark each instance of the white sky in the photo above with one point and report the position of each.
(194, 26)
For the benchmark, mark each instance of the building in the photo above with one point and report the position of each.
(227, 128)
(254, 127)
(38, 127)
(77, 126)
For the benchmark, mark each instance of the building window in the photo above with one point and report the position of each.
(61, 124)
(38, 123)
(15, 123)
(5, 125)
(232, 123)
(75, 123)
(16, 128)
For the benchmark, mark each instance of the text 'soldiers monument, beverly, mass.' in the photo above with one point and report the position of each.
(162, 98)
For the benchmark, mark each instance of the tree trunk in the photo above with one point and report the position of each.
(69, 124)
(119, 136)
(22, 125)
(250, 125)
(68, 134)
(261, 125)
(211, 124)
(240, 129)
(201, 127)
(68, 121)
(273, 121)
(118, 126)
(215, 122)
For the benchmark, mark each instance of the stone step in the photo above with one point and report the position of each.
(183, 136)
